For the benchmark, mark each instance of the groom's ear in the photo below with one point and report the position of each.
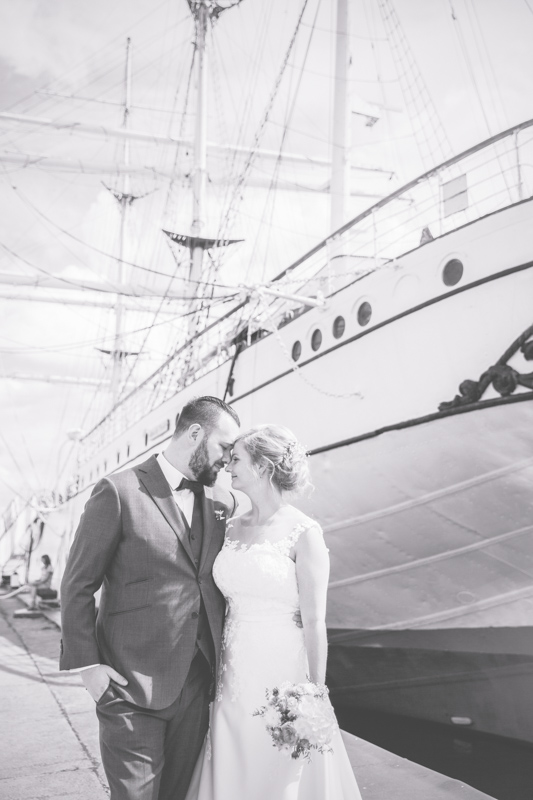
(195, 433)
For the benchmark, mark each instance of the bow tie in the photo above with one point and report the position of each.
(193, 486)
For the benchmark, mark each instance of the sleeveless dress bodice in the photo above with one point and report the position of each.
(261, 591)
(258, 579)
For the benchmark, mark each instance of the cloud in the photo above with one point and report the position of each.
(36, 38)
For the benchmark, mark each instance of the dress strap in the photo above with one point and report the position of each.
(285, 545)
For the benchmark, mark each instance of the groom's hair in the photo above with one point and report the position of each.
(204, 411)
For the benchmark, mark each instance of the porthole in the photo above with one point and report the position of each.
(118, 457)
(364, 313)
(339, 326)
(316, 339)
(452, 272)
(296, 351)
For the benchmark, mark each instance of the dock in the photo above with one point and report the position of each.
(49, 733)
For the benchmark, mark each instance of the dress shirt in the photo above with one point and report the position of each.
(184, 499)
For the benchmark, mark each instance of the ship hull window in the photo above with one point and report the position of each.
(452, 272)
(316, 339)
(296, 351)
(339, 326)
(364, 314)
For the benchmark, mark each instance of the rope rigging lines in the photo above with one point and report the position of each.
(429, 132)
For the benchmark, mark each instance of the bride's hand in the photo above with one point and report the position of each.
(297, 617)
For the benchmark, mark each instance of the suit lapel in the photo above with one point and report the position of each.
(157, 487)
(212, 539)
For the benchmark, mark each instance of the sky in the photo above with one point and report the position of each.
(64, 61)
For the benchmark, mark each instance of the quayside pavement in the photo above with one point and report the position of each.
(49, 737)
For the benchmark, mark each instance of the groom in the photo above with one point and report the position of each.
(149, 536)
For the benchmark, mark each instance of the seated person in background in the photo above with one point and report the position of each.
(39, 587)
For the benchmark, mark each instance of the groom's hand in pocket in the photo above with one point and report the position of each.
(97, 679)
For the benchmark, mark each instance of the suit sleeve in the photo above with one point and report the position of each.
(92, 550)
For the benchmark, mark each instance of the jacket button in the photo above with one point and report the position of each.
(194, 614)
(199, 581)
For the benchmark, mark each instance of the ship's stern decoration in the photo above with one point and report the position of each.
(504, 378)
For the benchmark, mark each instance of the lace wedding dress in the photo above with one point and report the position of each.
(262, 647)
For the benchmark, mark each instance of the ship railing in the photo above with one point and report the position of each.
(482, 180)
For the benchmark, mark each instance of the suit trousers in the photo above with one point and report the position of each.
(150, 754)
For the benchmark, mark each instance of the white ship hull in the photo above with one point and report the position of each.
(427, 513)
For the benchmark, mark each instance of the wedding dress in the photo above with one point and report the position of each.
(262, 646)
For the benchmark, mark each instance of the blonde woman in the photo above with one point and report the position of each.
(273, 563)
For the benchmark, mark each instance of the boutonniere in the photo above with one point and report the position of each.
(220, 514)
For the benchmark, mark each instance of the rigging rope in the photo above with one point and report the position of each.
(470, 67)
(99, 251)
(177, 265)
(430, 134)
(231, 211)
(286, 125)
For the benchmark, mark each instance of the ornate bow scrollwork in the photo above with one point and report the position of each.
(504, 378)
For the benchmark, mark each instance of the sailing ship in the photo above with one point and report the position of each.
(397, 348)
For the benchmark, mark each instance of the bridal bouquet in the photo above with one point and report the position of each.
(299, 718)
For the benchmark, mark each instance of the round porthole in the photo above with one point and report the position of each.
(339, 326)
(296, 351)
(452, 272)
(364, 312)
(316, 339)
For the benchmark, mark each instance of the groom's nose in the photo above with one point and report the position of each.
(226, 456)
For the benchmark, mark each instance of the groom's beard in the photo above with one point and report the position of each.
(203, 471)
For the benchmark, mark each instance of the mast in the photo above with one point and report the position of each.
(124, 199)
(203, 12)
(340, 140)
(200, 147)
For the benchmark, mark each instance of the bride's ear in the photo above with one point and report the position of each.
(261, 469)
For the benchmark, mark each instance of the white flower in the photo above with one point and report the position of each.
(271, 718)
(316, 721)
(292, 703)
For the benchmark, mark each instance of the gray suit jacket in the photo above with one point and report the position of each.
(133, 542)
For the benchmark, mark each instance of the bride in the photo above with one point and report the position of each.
(273, 563)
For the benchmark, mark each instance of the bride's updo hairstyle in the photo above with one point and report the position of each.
(285, 459)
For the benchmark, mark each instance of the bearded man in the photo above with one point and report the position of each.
(148, 538)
